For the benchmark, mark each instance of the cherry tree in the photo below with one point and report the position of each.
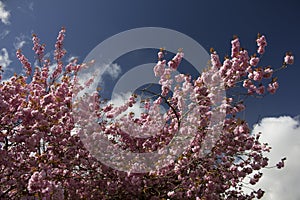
(51, 136)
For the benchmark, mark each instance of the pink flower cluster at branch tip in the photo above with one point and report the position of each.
(235, 47)
(25, 63)
(289, 58)
(261, 43)
(43, 126)
(59, 50)
(38, 48)
(254, 61)
(174, 63)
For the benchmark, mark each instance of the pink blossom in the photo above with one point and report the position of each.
(260, 193)
(247, 83)
(159, 68)
(173, 64)
(24, 61)
(257, 75)
(215, 61)
(260, 90)
(254, 61)
(261, 43)
(281, 163)
(38, 48)
(261, 50)
(171, 194)
(251, 89)
(289, 59)
(268, 72)
(160, 55)
(235, 47)
(272, 87)
(179, 78)
(46, 131)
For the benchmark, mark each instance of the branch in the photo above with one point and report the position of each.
(167, 102)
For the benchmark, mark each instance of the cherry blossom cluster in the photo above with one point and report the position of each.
(50, 139)
(218, 174)
(38, 48)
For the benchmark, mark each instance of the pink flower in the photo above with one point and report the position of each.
(260, 90)
(59, 51)
(174, 63)
(260, 193)
(215, 61)
(235, 42)
(25, 63)
(159, 100)
(268, 72)
(235, 47)
(109, 115)
(107, 108)
(257, 75)
(165, 90)
(179, 78)
(37, 47)
(261, 50)
(289, 59)
(254, 61)
(272, 87)
(247, 83)
(261, 43)
(171, 194)
(281, 163)
(160, 55)
(159, 68)
(251, 89)
(253, 181)
(250, 75)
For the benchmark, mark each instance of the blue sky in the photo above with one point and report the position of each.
(210, 23)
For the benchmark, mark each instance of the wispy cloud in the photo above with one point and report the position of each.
(4, 58)
(19, 44)
(26, 7)
(4, 14)
(20, 41)
(30, 6)
(283, 135)
(71, 59)
(4, 33)
(113, 70)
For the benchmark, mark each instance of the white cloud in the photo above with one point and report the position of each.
(283, 135)
(71, 59)
(26, 7)
(4, 34)
(98, 72)
(4, 14)
(19, 44)
(113, 70)
(30, 6)
(4, 58)
(20, 41)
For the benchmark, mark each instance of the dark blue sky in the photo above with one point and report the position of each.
(210, 23)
